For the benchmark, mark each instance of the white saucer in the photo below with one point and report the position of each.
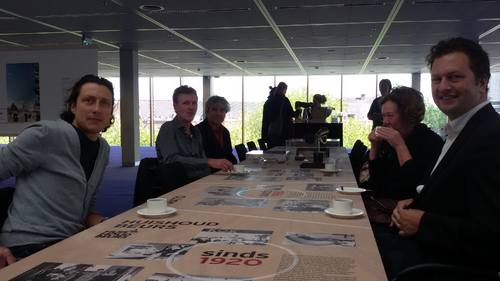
(331, 171)
(354, 213)
(350, 190)
(234, 172)
(154, 215)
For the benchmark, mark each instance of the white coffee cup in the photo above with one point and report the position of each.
(157, 205)
(239, 168)
(329, 166)
(342, 206)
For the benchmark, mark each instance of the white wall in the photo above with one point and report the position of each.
(59, 70)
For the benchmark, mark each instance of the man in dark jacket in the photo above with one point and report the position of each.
(454, 219)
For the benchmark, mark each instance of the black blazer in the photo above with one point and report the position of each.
(210, 143)
(461, 199)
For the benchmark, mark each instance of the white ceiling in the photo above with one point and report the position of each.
(242, 37)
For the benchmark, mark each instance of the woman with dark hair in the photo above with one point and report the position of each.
(277, 116)
(216, 138)
(403, 150)
(319, 113)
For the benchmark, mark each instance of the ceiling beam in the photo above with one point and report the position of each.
(488, 32)
(185, 38)
(278, 33)
(390, 19)
(13, 43)
(79, 35)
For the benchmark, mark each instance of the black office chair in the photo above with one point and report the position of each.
(154, 180)
(446, 272)
(262, 144)
(358, 157)
(251, 146)
(241, 150)
(6, 196)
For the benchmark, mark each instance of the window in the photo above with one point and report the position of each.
(113, 134)
(297, 87)
(399, 79)
(328, 85)
(494, 91)
(196, 83)
(145, 112)
(434, 118)
(350, 95)
(230, 87)
(256, 91)
(357, 95)
(163, 108)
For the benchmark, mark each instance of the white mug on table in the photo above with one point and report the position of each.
(156, 205)
(342, 205)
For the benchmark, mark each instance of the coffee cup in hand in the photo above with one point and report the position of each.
(342, 206)
(156, 205)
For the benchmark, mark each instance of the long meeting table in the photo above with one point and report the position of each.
(265, 224)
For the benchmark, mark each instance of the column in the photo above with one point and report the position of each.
(415, 80)
(207, 91)
(129, 106)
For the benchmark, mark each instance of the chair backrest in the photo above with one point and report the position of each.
(262, 144)
(357, 157)
(251, 146)
(145, 180)
(434, 271)
(6, 196)
(241, 150)
(155, 179)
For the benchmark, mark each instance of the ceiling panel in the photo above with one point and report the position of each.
(327, 36)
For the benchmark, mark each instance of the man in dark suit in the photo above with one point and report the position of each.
(455, 217)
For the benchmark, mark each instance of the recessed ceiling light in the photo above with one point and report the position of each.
(382, 58)
(240, 61)
(330, 50)
(151, 8)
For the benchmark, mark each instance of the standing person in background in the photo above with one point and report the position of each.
(216, 138)
(277, 117)
(375, 112)
(318, 112)
(58, 167)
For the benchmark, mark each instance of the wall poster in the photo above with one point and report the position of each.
(23, 92)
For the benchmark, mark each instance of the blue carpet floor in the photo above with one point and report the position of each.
(117, 188)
